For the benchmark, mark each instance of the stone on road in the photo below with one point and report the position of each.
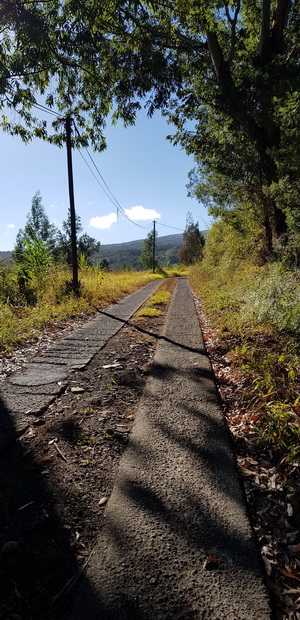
(176, 542)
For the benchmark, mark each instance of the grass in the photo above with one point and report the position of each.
(159, 299)
(20, 322)
(256, 311)
(151, 312)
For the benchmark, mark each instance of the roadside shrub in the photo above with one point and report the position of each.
(274, 298)
(9, 289)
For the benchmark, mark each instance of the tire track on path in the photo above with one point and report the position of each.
(177, 501)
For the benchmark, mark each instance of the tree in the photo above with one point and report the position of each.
(146, 258)
(103, 264)
(193, 242)
(86, 245)
(208, 65)
(38, 231)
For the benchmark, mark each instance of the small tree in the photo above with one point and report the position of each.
(193, 242)
(146, 258)
(86, 245)
(38, 228)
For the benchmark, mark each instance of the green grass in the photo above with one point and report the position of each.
(151, 312)
(161, 297)
(155, 305)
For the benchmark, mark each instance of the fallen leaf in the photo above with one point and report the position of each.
(210, 564)
(288, 574)
(289, 510)
(294, 548)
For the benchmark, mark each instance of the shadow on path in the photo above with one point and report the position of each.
(177, 502)
(36, 554)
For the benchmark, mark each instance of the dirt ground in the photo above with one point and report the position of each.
(57, 476)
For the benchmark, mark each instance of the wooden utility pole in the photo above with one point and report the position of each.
(153, 248)
(72, 208)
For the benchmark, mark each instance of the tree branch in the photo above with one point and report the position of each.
(220, 66)
(233, 22)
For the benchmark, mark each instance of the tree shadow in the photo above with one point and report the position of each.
(177, 542)
(160, 338)
(37, 558)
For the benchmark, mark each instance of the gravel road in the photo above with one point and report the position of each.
(176, 541)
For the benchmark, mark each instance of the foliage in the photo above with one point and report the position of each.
(87, 246)
(9, 289)
(147, 260)
(55, 303)
(193, 242)
(256, 309)
(38, 229)
(104, 265)
(225, 74)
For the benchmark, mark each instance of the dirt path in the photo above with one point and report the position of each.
(176, 541)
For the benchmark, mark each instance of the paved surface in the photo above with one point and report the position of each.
(177, 501)
(32, 390)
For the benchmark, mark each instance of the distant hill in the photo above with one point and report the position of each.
(128, 253)
(5, 258)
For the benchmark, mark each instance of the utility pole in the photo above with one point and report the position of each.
(72, 208)
(153, 248)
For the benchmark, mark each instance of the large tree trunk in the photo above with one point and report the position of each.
(265, 139)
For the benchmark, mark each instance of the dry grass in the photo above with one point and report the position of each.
(20, 323)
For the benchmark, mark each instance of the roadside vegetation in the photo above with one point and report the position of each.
(255, 308)
(36, 291)
(250, 317)
(52, 299)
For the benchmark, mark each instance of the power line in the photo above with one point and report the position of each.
(43, 108)
(111, 197)
(95, 177)
(168, 226)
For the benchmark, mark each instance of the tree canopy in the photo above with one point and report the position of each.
(147, 259)
(193, 242)
(86, 245)
(226, 74)
(38, 228)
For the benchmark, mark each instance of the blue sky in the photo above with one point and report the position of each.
(146, 174)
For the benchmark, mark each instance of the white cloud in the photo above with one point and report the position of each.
(6, 233)
(103, 221)
(140, 213)
(91, 202)
(53, 206)
(10, 226)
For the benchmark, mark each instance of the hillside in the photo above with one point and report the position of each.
(5, 258)
(128, 253)
(119, 254)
